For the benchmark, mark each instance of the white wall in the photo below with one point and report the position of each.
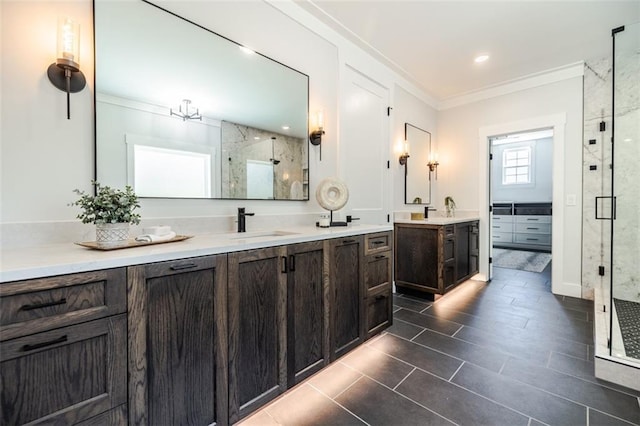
(461, 166)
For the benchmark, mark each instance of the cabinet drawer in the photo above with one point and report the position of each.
(502, 227)
(502, 219)
(533, 219)
(449, 230)
(33, 306)
(532, 238)
(533, 228)
(379, 310)
(377, 270)
(65, 375)
(375, 243)
(504, 237)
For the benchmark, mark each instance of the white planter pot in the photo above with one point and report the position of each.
(111, 235)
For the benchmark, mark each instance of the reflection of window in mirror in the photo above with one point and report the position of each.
(259, 180)
(190, 177)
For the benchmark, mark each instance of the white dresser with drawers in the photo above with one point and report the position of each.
(522, 225)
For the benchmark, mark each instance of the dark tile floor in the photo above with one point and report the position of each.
(503, 353)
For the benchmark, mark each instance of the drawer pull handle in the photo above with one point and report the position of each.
(532, 218)
(377, 243)
(61, 339)
(533, 229)
(43, 305)
(380, 256)
(292, 263)
(183, 266)
(284, 265)
(348, 241)
(532, 239)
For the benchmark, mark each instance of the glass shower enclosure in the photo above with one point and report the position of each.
(624, 300)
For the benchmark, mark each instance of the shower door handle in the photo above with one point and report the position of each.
(613, 207)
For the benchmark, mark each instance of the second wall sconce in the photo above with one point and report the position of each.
(433, 165)
(316, 135)
(65, 73)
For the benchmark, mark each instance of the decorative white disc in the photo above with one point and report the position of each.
(332, 193)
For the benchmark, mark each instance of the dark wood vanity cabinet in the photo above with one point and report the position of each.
(346, 293)
(177, 342)
(63, 356)
(307, 334)
(433, 259)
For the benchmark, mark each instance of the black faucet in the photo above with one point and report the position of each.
(242, 222)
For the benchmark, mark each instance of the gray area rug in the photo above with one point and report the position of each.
(519, 259)
(629, 322)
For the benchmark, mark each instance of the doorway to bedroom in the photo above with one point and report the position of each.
(521, 194)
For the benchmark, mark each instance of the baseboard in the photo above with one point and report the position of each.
(566, 289)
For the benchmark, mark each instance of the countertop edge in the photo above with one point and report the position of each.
(59, 259)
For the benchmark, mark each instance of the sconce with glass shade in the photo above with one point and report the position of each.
(433, 165)
(65, 73)
(404, 153)
(316, 135)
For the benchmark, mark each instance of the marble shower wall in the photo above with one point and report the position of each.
(597, 176)
(241, 143)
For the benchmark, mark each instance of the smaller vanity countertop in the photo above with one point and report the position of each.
(438, 220)
(58, 259)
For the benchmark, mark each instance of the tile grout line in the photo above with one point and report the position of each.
(414, 337)
(403, 379)
(454, 334)
(455, 372)
(340, 405)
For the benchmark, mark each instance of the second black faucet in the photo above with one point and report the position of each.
(242, 222)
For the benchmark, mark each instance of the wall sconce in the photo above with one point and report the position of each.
(433, 165)
(316, 135)
(65, 73)
(186, 115)
(405, 154)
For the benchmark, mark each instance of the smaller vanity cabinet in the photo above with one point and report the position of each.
(522, 226)
(177, 342)
(378, 270)
(63, 356)
(432, 259)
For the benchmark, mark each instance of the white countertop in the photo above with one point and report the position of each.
(57, 259)
(438, 220)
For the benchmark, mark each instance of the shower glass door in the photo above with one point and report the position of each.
(625, 187)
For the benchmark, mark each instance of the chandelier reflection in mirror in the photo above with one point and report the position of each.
(186, 115)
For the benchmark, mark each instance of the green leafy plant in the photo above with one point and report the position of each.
(108, 205)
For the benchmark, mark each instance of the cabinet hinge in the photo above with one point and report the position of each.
(603, 126)
(491, 260)
(389, 111)
(490, 209)
(388, 164)
(490, 156)
(601, 270)
(388, 218)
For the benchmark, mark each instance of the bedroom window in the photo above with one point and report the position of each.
(516, 166)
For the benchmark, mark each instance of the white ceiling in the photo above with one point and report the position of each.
(433, 43)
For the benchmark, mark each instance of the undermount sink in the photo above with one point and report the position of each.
(261, 234)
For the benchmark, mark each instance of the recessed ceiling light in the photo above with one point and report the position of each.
(481, 58)
(285, 127)
(256, 138)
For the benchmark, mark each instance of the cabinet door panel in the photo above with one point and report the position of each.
(306, 311)
(416, 257)
(346, 303)
(257, 329)
(181, 371)
(378, 270)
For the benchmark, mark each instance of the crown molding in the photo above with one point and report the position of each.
(530, 81)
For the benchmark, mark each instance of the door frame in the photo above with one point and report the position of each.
(556, 122)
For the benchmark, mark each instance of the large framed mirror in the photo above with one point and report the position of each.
(417, 181)
(182, 112)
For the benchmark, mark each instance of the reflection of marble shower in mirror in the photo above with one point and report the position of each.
(241, 144)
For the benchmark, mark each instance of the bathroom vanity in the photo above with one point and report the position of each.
(202, 331)
(433, 256)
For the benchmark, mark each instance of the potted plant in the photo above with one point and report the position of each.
(111, 210)
(449, 205)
